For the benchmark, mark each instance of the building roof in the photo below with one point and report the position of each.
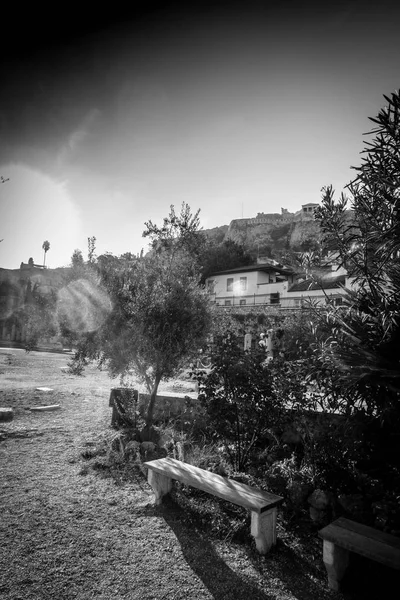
(265, 268)
(327, 283)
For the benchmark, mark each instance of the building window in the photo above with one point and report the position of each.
(274, 299)
(229, 284)
(243, 284)
(242, 302)
(210, 286)
(228, 303)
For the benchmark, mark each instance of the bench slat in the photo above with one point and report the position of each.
(364, 540)
(238, 493)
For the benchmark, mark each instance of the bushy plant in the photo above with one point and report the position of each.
(366, 334)
(238, 395)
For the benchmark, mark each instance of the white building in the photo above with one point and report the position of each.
(260, 284)
(269, 285)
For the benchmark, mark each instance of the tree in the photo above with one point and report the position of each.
(91, 249)
(366, 336)
(77, 261)
(160, 314)
(225, 255)
(46, 248)
(38, 315)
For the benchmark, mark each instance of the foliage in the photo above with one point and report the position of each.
(77, 261)
(45, 248)
(354, 358)
(159, 315)
(38, 316)
(366, 334)
(238, 395)
(221, 256)
(91, 249)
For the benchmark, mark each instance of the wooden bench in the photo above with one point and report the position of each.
(344, 536)
(263, 505)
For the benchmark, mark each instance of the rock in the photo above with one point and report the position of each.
(150, 451)
(320, 500)
(147, 446)
(291, 436)
(44, 408)
(6, 414)
(317, 516)
(132, 447)
(298, 492)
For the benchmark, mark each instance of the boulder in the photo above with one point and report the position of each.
(320, 500)
(320, 505)
(147, 446)
(318, 516)
(298, 492)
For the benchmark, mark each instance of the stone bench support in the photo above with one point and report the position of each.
(336, 560)
(263, 529)
(161, 485)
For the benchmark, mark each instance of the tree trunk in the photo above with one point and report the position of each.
(152, 402)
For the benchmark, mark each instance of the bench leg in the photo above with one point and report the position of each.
(161, 485)
(263, 529)
(336, 560)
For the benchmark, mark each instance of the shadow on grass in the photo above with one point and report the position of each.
(220, 580)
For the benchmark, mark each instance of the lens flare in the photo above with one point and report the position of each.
(83, 305)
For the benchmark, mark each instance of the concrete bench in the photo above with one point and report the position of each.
(344, 536)
(262, 505)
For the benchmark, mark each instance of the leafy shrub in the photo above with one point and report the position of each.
(239, 399)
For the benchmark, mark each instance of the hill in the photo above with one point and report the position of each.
(272, 234)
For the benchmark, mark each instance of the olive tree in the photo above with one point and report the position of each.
(160, 314)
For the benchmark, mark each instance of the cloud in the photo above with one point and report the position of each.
(77, 137)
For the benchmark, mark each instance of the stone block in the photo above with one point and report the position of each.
(6, 414)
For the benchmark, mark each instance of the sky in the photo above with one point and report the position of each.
(235, 108)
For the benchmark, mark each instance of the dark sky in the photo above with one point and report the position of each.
(107, 117)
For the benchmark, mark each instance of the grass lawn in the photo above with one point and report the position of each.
(69, 530)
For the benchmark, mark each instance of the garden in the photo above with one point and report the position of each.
(316, 420)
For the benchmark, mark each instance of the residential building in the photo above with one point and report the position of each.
(267, 284)
(260, 284)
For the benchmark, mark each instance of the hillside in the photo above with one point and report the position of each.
(271, 234)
